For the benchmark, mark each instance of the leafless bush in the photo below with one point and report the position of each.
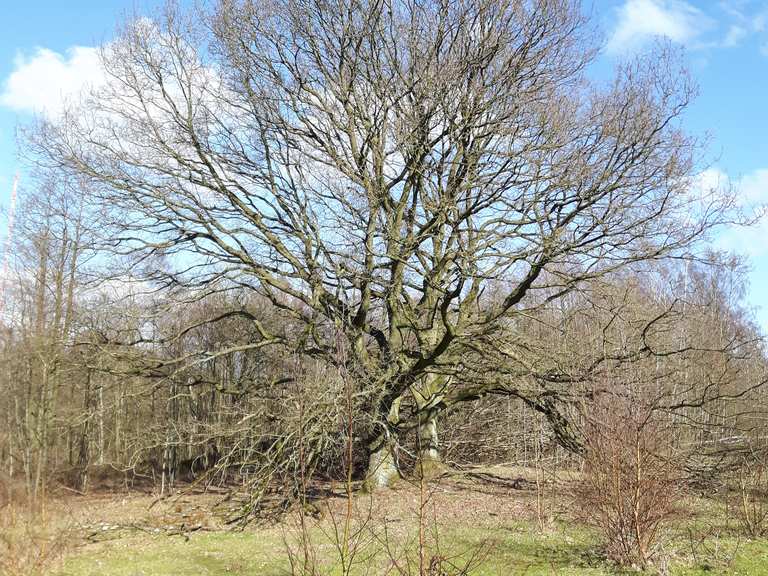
(354, 537)
(629, 489)
(12, 492)
(347, 531)
(28, 544)
(711, 545)
(424, 553)
(751, 501)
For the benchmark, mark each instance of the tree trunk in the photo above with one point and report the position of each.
(382, 464)
(84, 451)
(429, 463)
(428, 446)
(429, 395)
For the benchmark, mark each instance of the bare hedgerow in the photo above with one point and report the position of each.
(630, 485)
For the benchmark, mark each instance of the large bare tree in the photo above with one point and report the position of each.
(411, 174)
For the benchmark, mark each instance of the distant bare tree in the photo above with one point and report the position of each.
(50, 253)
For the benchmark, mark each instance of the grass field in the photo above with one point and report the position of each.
(134, 535)
(520, 550)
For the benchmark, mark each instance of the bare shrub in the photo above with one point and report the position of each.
(28, 544)
(12, 491)
(630, 485)
(347, 532)
(423, 554)
(353, 537)
(711, 546)
(751, 501)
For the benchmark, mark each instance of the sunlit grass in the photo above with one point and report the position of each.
(516, 549)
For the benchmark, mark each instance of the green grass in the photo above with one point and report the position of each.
(516, 549)
(219, 553)
(704, 543)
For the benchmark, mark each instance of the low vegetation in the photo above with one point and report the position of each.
(485, 518)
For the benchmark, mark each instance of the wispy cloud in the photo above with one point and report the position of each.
(727, 24)
(758, 22)
(734, 36)
(746, 20)
(44, 81)
(640, 21)
(751, 191)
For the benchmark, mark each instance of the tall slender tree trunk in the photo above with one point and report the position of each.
(101, 425)
(84, 451)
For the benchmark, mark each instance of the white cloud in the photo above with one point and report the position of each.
(753, 187)
(709, 180)
(751, 192)
(734, 35)
(46, 80)
(758, 23)
(642, 20)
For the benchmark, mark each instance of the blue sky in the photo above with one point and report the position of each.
(47, 51)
